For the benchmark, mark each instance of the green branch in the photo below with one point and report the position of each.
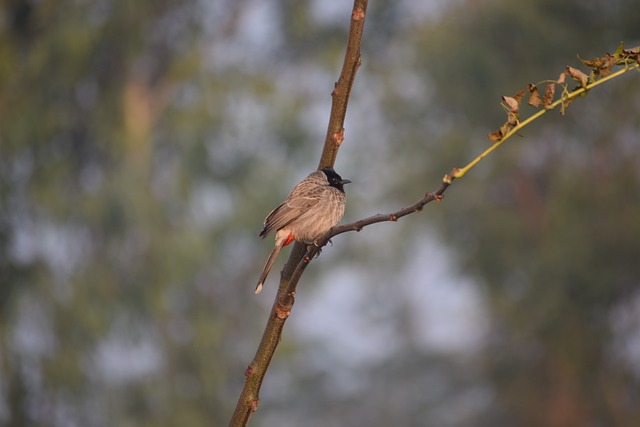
(628, 58)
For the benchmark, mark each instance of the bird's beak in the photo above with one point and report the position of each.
(345, 181)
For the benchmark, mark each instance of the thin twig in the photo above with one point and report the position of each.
(342, 89)
(287, 300)
(569, 96)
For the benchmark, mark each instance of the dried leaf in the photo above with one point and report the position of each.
(632, 51)
(577, 75)
(512, 104)
(534, 97)
(608, 63)
(518, 96)
(602, 66)
(549, 91)
(630, 55)
(592, 63)
(495, 136)
(561, 78)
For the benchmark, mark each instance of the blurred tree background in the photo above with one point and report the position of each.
(142, 144)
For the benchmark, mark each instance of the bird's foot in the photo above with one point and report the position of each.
(316, 245)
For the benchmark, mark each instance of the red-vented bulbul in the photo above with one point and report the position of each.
(314, 206)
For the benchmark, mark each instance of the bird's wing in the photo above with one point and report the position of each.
(301, 199)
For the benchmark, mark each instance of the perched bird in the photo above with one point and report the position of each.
(314, 206)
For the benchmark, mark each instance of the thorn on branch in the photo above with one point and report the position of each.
(334, 92)
(358, 14)
(249, 371)
(283, 313)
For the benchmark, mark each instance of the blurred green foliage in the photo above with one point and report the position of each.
(142, 143)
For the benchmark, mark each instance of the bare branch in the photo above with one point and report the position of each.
(286, 301)
(342, 89)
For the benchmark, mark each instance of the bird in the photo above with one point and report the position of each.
(312, 208)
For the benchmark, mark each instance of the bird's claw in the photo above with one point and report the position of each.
(315, 244)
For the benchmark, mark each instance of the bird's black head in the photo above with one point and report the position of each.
(334, 179)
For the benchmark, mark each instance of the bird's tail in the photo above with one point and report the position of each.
(268, 265)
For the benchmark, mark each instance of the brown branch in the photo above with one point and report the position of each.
(285, 302)
(342, 89)
(254, 375)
